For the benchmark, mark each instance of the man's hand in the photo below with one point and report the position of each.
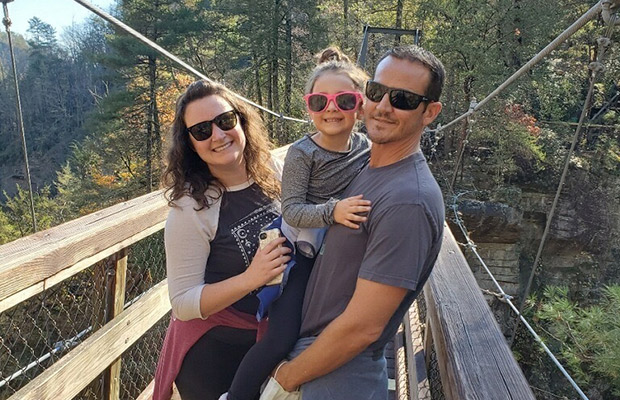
(346, 211)
(361, 323)
(281, 374)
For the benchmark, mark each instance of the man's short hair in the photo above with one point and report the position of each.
(417, 54)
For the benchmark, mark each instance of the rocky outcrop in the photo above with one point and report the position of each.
(496, 230)
(491, 222)
(578, 250)
(502, 260)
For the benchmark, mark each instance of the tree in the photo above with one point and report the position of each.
(56, 93)
(17, 211)
(8, 232)
(587, 337)
(143, 75)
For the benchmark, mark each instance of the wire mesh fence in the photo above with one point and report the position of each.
(39, 331)
(432, 367)
(434, 379)
(139, 362)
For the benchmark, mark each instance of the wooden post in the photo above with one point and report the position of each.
(98, 318)
(412, 375)
(115, 301)
(428, 342)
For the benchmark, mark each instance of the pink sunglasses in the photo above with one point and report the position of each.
(344, 101)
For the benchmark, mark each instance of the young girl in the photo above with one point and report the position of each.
(317, 169)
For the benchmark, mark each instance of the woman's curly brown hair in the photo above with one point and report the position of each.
(187, 174)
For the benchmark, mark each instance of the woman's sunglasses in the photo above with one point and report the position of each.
(344, 101)
(399, 98)
(204, 130)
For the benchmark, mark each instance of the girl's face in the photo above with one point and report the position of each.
(223, 151)
(331, 121)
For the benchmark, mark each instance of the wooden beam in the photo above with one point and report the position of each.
(116, 301)
(401, 371)
(147, 393)
(68, 272)
(35, 258)
(67, 377)
(474, 360)
(280, 152)
(412, 376)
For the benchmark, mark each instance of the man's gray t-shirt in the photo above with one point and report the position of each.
(396, 246)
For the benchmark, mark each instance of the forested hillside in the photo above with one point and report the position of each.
(98, 104)
(59, 85)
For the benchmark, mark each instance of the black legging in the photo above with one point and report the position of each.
(281, 336)
(210, 365)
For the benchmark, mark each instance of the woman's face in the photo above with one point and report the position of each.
(223, 151)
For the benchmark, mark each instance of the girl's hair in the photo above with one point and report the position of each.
(333, 60)
(187, 174)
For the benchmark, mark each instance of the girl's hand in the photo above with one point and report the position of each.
(267, 263)
(347, 210)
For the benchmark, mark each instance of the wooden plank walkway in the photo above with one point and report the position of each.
(406, 362)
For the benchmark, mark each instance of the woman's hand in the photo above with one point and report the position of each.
(267, 263)
(346, 211)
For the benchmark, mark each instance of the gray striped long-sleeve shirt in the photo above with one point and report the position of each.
(314, 178)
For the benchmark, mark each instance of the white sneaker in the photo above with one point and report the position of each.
(224, 396)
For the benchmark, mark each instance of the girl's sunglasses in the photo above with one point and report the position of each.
(399, 98)
(204, 130)
(344, 101)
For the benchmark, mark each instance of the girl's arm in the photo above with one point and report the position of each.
(296, 210)
(348, 211)
(187, 236)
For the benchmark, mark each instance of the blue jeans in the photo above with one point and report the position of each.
(362, 378)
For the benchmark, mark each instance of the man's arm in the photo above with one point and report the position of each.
(361, 323)
(399, 243)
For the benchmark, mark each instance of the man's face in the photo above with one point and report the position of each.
(387, 124)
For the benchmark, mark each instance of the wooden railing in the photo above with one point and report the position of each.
(35, 263)
(472, 355)
(474, 360)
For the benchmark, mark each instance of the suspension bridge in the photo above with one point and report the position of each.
(449, 345)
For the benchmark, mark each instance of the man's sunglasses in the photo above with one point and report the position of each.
(399, 98)
(204, 130)
(344, 101)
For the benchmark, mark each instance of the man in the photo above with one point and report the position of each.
(364, 280)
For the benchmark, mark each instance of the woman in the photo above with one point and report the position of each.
(223, 188)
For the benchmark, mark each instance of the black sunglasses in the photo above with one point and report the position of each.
(204, 130)
(399, 98)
